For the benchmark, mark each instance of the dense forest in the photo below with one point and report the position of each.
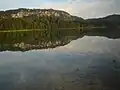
(108, 21)
(36, 19)
(21, 19)
(35, 23)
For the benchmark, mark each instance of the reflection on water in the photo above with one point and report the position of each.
(91, 44)
(88, 63)
(23, 41)
(29, 40)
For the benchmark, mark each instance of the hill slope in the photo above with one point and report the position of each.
(36, 19)
(108, 21)
(49, 18)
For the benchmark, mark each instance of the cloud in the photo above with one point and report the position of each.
(87, 8)
(94, 8)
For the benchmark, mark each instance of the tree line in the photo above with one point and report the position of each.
(34, 22)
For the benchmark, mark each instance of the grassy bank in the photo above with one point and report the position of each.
(25, 30)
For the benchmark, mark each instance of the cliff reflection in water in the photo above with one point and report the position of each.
(24, 41)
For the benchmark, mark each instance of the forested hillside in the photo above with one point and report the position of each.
(22, 18)
(36, 19)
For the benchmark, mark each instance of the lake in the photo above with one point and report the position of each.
(64, 60)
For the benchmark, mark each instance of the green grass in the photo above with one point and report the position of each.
(25, 30)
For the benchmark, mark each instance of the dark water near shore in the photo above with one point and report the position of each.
(64, 61)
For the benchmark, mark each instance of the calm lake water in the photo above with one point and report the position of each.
(80, 63)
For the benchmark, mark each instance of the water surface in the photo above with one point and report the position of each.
(79, 62)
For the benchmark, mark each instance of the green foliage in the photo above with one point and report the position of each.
(34, 22)
(109, 21)
(51, 22)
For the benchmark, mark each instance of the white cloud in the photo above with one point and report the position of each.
(87, 8)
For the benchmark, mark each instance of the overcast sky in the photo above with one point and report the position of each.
(82, 8)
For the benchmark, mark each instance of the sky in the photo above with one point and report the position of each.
(81, 8)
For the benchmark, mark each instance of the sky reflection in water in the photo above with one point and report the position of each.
(84, 64)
